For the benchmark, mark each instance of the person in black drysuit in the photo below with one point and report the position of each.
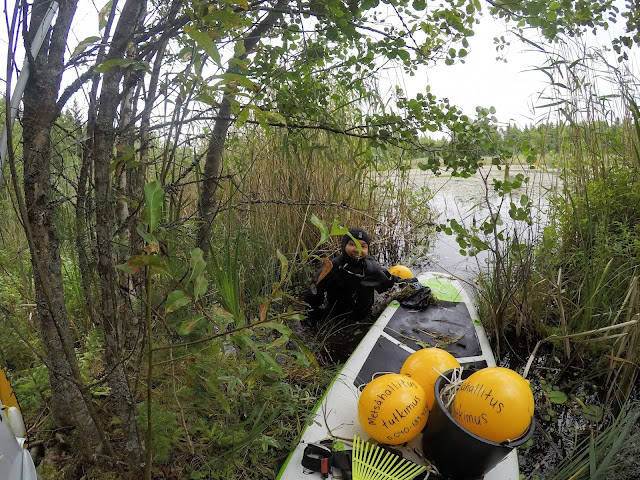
(342, 293)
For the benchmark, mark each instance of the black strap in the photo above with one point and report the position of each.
(342, 460)
(317, 458)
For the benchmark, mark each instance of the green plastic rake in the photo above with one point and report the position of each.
(371, 462)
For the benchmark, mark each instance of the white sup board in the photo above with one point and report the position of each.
(396, 334)
(15, 460)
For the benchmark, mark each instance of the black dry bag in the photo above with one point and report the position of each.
(418, 300)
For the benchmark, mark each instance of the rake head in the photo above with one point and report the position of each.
(371, 462)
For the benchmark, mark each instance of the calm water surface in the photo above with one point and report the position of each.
(466, 200)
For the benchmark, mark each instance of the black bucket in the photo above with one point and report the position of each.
(455, 451)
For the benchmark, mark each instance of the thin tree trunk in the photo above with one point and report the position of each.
(126, 140)
(82, 240)
(213, 160)
(103, 143)
(70, 404)
(85, 238)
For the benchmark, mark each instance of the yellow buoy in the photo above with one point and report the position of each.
(392, 409)
(401, 271)
(495, 403)
(7, 396)
(425, 365)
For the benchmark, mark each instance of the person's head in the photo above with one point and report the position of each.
(353, 250)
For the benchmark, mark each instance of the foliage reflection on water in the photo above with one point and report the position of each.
(465, 199)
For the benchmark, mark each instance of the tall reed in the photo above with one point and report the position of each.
(579, 273)
(604, 454)
(278, 181)
(589, 258)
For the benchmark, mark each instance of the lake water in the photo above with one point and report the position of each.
(467, 200)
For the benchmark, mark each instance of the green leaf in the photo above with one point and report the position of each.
(146, 236)
(226, 16)
(125, 153)
(154, 196)
(280, 327)
(261, 118)
(284, 264)
(415, 106)
(534, 8)
(200, 286)
(593, 412)
(557, 397)
(197, 264)
(554, 5)
(206, 43)
(128, 268)
(336, 229)
(191, 324)
(242, 117)
(419, 4)
(238, 49)
(235, 78)
(208, 99)
(324, 231)
(275, 117)
(137, 262)
(84, 44)
(176, 300)
(103, 15)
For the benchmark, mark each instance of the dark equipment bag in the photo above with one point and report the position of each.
(418, 300)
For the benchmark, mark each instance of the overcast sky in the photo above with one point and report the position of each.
(515, 88)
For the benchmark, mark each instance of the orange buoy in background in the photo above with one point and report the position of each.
(494, 403)
(392, 409)
(425, 365)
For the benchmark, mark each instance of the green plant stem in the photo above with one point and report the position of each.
(218, 335)
(174, 389)
(149, 449)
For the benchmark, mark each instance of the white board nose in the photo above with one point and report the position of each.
(16, 423)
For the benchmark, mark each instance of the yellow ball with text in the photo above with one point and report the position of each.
(495, 403)
(392, 409)
(425, 366)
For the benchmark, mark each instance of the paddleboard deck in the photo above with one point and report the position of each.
(451, 324)
(15, 460)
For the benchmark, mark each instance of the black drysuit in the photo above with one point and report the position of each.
(348, 285)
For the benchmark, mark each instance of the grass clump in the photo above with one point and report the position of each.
(224, 419)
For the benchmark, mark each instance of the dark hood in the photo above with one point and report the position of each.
(358, 234)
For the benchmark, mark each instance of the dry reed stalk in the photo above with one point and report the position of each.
(563, 319)
(573, 335)
(623, 363)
